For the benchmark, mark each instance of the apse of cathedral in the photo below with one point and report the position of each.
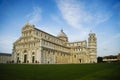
(39, 47)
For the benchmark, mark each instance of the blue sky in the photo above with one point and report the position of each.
(75, 17)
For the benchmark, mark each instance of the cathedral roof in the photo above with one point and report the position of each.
(62, 34)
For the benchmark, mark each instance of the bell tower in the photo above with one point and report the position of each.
(92, 45)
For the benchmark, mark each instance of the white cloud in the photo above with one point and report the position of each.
(35, 16)
(69, 12)
(77, 16)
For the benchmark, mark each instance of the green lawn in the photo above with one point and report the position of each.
(103, 71)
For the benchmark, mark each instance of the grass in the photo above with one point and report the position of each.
(103, 71)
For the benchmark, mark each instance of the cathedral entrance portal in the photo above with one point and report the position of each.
(25, 58)
(80, 60)
(33, 59)
(17, 59)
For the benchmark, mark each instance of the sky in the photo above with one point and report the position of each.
(76, 17)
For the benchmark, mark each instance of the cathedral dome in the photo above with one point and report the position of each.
(62, 34)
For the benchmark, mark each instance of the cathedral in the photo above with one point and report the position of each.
(35, 46)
